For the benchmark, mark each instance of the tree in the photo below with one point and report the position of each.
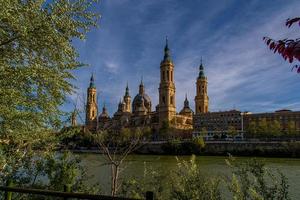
(262, 127)
(232, 131)
(274, 128)
(164, 130)
(36, 56)
(36, 59)
(291, 128)
(252, 128)
(253, 180)
(116, 146)
(203, 132)
(289, 49)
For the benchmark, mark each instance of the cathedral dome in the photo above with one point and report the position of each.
(186, 110)
(104, 113)
(141, 101)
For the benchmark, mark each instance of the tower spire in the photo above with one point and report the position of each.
(127, 90)
(186, 101)
(92, 82)
(141, 88)
(167, 56)
(201, 69)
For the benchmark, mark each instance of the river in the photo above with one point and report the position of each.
(214, 165)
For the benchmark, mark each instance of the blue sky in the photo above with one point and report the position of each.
(242, 73)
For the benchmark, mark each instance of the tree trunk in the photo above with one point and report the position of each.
(114, 179)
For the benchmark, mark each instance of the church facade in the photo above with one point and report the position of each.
(138, 111)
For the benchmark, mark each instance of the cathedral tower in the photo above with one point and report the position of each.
(201, 98)
(167, 104)
(91, 105)
(127, 100)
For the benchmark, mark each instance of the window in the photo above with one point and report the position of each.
(171, 100)
(168, 75)
(163, 75)
(163, 99)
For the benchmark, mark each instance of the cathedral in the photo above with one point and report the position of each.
(138, 111)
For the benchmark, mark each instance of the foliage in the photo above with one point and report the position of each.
(172, 147)
(36, 56)
(252, 128)
(199, 142)
(262, 127)
(291, 128)
(150, 181)
(66, 169)
(36, 59)
(188, 182)
(50, 171)
(289, 49)
(116, 146)
(203, 132)
(275, 128)
(251, 180)
(265, 128)
(232, 131)
(164, 129)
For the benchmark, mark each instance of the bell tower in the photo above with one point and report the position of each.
(127, 100)
(167, 103)
(91, 106)
(201, 98)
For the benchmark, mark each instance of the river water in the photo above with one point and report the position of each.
(214, 165)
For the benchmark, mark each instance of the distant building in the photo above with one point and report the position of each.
(284, 117)
(218, 122)
(139, 113)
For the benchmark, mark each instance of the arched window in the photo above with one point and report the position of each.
(163, 99)
(163, 73)
(168, 75)
(171, 100)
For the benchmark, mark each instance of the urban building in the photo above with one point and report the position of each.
(286, 118)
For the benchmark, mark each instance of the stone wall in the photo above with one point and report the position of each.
(270, 149)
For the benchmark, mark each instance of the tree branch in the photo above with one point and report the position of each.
(9, 40)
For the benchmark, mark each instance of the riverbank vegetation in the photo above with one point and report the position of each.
(271, 129)
(250, 180)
